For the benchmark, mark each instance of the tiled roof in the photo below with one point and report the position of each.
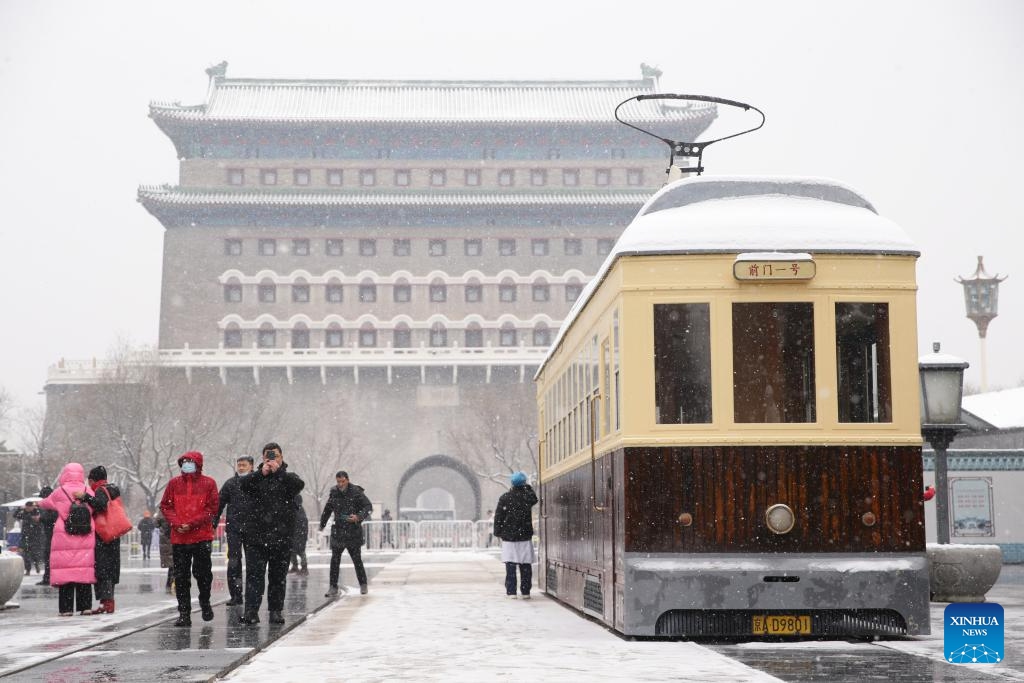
(266, 100)
(167, 195)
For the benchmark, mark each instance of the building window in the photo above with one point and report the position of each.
(474, 294)
(268, 247)
(539, 247)
(541, 336)
(602, 176)
(401, 247)
(438, 177)
(618, 153)
(267, 294)
(773, 362)
(268, 176)
(300, 294)
(301, 176)
(862, 362)
(367, 337)
(506, 293)
(334, 338)
(233, 293)
(402, 338)
(438, 335)
(335, 294)
(472, 247)
(367, 247)
(490, 153)
(300, 338)
(507, 337)
(570, 177)
(572, 246)
(635, 176)
(266, 338)
(232, 247)
(402, 177)
(474, 337)
(506, 177)
(334, 176)
(334, 247)
(236, 176)
(604, 246)
(682, 363)
(300, 247)
(538, 177)
(472, 177)
(367, 294)
(368, 177)
(507, 247)
(402, 294)
(437, 247)
(438, 293)
(541, 292)
(233, 338)
(572, 292)
(554, 153)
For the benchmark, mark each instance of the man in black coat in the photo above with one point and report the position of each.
(48, 518)
(267, 533)
(513, 524)
(350, 507)
(232, 498)
(31, 536)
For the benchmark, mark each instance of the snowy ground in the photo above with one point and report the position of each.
(443, 616)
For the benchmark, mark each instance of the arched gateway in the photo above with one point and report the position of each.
(445, 473)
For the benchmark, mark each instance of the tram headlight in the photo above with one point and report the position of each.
(780, 519)
(686, 519)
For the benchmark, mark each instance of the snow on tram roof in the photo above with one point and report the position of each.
(737, 214)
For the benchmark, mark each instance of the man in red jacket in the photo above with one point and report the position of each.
(190, 506)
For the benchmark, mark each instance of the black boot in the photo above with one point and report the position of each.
(332, 592)
(276, 617)
(234, 602)
(207, 609)
(184, 619)
(252, 617)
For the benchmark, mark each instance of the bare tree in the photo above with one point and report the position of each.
(495, 434)
(6, 406)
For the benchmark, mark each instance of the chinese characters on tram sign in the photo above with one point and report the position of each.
(773, 270)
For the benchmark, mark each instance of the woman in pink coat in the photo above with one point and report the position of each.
(72, 559)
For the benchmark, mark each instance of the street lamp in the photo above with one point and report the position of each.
(981, 297)
(942, 389)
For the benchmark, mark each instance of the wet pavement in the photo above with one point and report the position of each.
(139, 642)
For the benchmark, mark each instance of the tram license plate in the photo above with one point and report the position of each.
(782, 625)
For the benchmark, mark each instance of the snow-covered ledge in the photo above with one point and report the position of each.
(963, 572)
(12, 570)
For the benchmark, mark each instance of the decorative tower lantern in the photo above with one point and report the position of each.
(981, 296)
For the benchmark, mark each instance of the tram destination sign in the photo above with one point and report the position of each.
(774, 266)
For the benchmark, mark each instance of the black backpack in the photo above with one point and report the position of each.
(79, 521)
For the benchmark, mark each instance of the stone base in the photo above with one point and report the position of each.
(12, 571)
(962, 572)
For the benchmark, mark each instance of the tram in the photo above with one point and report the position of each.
(730, 420)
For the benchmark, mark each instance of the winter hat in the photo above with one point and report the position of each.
(518, 478)
(45, 491)
(98, 473)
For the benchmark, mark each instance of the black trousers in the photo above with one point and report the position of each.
(234, 564)
(194, 559)
(47, 542)
(525, 578)
(70, 593)
(266, 566)
(147, 543)
(104, 589)
(355, 552)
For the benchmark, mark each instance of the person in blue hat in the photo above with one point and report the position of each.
(513, 524)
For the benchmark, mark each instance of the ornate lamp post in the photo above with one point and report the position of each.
(981, 296)
(942, 388)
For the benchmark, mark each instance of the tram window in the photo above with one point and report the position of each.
(682, 363)
(773, 362)
(862, 362)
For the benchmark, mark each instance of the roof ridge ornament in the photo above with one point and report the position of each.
(218, 70)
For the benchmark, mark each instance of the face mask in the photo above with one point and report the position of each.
(244, 474)
(188, 467)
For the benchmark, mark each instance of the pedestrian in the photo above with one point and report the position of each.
(72, 555)
(48, 519)
(108, 555)
(267, 536)
(232, 498)
(146, 527)
(350, 507)
(190, 506)
(490, 536)
(513, 524)
(31, 543)
(300, 565)
(386, 535)
(163, 527)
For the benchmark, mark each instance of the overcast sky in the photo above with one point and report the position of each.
(916, 104)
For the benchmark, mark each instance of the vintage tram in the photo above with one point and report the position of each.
(730, 421)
